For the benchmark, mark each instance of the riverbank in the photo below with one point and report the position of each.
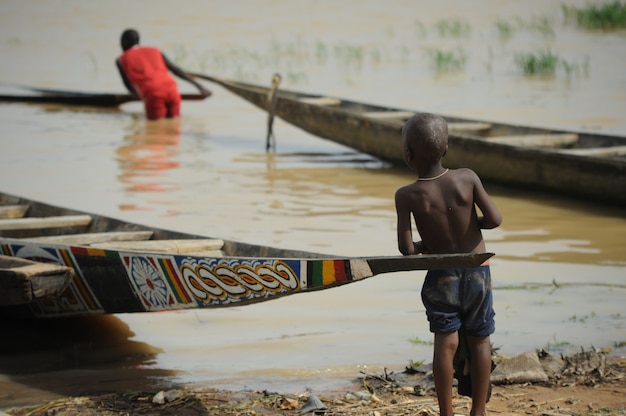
(584, 384)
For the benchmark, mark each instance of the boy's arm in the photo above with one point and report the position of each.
(491, 215)
(129, 86)
(404, 230)
(183, 75)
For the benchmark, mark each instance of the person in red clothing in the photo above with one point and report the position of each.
(145, 72)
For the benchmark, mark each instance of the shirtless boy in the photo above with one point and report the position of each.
(443, 205)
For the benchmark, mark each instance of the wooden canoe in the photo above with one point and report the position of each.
(26, 281)
(121, 267)
(54, 96)
(585, 165)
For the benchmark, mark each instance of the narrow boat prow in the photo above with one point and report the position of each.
(121, 267)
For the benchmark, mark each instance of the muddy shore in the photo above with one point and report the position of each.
(587, 383)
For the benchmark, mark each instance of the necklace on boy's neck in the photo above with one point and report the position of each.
(434, 177)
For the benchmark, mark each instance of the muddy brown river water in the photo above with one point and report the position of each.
(559, 273)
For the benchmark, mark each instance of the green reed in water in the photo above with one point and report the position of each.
(417, 363)
(293, 57)
(453, 27)
(419, 341)
(541, 25)
(505, 29)
(557, 345)
(543, 63)
(447, 61)
(606, 16)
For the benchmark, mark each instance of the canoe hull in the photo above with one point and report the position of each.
(32, 95)
(124, 281)
(593, 178)
(110, 281)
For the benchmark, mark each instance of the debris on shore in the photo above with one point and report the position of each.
(519, 383)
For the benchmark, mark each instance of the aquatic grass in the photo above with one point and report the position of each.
(419, 341)
(453, 27)
(447, 61)
(543, 25)
(608, 16)
(296, 50)
(321, 53)
(557, 345)
(349, 55)
(294, 56)
(417, 363)
(541, 63)
(376, 56)
(581, 319)
(505, 29)
(296, 77)
(420, 29)
(245, 74)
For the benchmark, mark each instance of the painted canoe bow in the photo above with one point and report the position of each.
(584, 165)
(121, 267)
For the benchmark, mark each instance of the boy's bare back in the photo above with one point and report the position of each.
(442, 202)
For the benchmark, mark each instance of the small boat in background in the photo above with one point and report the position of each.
(22, 94)
(121, 267)
(584, 165)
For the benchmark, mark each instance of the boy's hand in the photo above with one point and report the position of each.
(420, 247)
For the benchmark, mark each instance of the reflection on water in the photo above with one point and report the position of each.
(147, 153)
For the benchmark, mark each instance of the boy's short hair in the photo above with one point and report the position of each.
(130, 38)
(429, 133)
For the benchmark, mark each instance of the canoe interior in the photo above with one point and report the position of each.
(103, 224)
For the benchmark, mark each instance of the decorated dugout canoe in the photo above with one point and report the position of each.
(25, 281)
(23, 94)
(585, 165)
(121, 267)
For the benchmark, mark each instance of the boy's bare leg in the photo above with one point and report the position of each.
(443, 372)
(480, 371)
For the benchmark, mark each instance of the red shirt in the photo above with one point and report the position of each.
(146, 70)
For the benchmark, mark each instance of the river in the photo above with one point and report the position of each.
(559, 270)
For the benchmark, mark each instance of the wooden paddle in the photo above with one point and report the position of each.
(380, 265)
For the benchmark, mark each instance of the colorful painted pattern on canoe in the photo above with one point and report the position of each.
(164, 282)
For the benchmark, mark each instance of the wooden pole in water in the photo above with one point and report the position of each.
(271, 109)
